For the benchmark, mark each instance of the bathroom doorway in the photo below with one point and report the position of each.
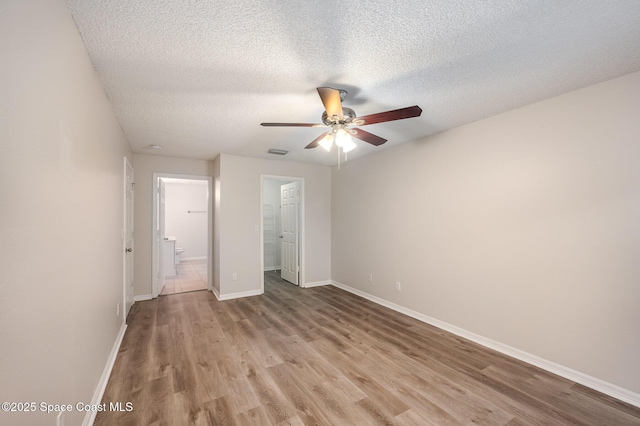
(182, 238)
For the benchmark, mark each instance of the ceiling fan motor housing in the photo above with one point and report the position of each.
(348, 114)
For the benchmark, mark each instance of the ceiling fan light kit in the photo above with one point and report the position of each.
(340, 119)
(327, 141)
(340, 137)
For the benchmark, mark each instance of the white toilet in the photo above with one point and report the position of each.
(179, 251)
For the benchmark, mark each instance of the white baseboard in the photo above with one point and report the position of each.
(272, 268)
(222, 297)
(141, 297)
(215, 292)
(104, 379)
(568, 373)
(317, 283)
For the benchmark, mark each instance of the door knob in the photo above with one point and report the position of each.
(280, 236)
(129, 250)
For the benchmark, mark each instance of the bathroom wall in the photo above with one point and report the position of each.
(190, 229)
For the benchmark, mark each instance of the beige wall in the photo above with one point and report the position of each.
(144, 167)
(61, 210)
(523, 228)
(240, 213)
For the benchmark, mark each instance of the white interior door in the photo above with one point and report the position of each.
(160, 235)
(128, 237)
(290, 204)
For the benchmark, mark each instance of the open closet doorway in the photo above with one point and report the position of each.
(282, 204)
(182, 233)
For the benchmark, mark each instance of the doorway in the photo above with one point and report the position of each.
(282, 228)
(182, 233)
(128, 240)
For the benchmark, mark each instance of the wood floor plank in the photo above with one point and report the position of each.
(376, 393)
(294, 421)
(377, 416)
(255, 416)
(324, 356)
(568, 400)
(517, 401)
(330, 397)
(407, 388)
(459, 402)
(299, 395)
(278, 407)
(220, 412)
(411, 418)
(157, 398)
(608, 400)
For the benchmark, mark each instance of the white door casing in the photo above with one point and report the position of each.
(290, 204)
(160, 234)
(128, 237)
(157, 235)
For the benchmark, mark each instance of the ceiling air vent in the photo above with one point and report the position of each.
(278, 151)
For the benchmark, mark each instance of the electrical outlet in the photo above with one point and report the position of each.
(370, 277)
(234, 277)
(60, 419)
(118, 310)
(398, 286)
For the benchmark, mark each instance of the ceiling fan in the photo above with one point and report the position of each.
(341, 120)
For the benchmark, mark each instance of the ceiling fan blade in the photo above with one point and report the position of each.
(292, 125)
(331, 101)
(316, 141)
(396, 114)
(367, 137)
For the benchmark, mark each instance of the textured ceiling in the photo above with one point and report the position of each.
(198, 77)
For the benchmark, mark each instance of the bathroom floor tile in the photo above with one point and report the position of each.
(192, 276)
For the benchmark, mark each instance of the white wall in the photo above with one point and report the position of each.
(214, 170)
(61, 210)
(190, 229)
(144, 167)
(240, 215)
(523, 228)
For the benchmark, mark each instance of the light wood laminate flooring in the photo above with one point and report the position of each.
(322, 356)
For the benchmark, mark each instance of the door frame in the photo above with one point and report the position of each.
(154, 224)
(127, 165)
(302, 231)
